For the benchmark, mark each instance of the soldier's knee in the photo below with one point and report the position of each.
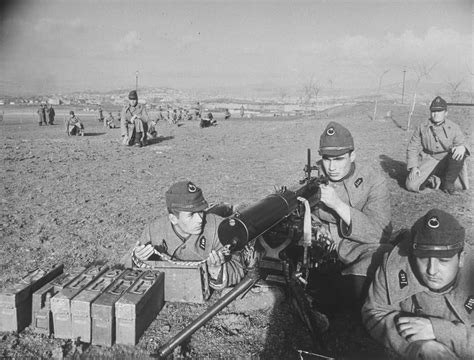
(432, 349)
(413, 186)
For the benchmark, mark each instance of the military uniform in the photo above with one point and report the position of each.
(42, 115)
(50, 114)
(74, 126)
(430, 144)
(366, 191)
(138, 126)
(162, 235)
(397, 291)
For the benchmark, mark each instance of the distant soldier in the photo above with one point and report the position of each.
(134, 124)
(109, 121)
(175, 116)
(242, 111)
(198, 110)
(436, 152)
(226, 114)
(74, 125)
(210, 121)
(187, 115)
(42, 115)
(50, 114)
(421, 301)
(101, 114)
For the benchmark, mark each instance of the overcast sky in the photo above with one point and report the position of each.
(62, 45)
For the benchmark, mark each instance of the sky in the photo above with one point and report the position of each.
(52, 46)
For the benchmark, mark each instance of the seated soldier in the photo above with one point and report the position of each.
(227, 114)
(210, 121)
(74, 125)
(188, 233)
(421, 300)
(436, 152)
(134, 122)
(110, 121)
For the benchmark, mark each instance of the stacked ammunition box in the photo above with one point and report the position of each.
(187, 282)
(42, 318)
(61, 303)
(97, 305)
(16, 300)
(103, 308)
(137, 308)
(81, 304)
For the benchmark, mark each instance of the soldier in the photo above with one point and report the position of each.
(101, 114)
(242, 111)
(354, 216)
(188, 233)
(50, 114)
(198, 110)
(74, 125)
(420, 303)
(42, 114)
(436, 152)
(134, 122)
(209, 121)
(110, 121)
(227, 114)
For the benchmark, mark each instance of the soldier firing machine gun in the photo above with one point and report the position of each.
(292, 244)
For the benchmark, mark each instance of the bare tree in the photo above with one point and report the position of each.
(454, 88)
(310, 91)
(378, 92)
(422, 71)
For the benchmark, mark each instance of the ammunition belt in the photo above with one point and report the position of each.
(141, 264)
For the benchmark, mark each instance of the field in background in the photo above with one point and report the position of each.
(83, 199)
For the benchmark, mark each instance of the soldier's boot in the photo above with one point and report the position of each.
(453, 169)
(138, 136)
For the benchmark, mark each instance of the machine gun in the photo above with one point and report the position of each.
(283, 225)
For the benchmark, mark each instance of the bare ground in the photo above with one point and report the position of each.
(84, 199)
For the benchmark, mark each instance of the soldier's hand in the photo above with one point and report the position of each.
(415, 328)
(329, 196)
(414, 173)
(215, 258)
(143, 252)
(458, 152)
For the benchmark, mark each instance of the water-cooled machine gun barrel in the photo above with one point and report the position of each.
(243, 226)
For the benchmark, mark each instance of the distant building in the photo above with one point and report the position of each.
(54, 101)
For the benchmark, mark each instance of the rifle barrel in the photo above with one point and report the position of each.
(240, 288)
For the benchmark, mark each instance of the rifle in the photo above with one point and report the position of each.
(282, 223)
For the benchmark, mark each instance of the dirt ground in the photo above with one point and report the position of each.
(78, 200)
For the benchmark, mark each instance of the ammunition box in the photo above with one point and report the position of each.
(103, 308)
(16, 299)
(138, 307)
(42, 319)
(186, 282)
(61, 302)
(81, 304)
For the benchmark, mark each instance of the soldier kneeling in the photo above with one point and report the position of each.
(74, 125)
